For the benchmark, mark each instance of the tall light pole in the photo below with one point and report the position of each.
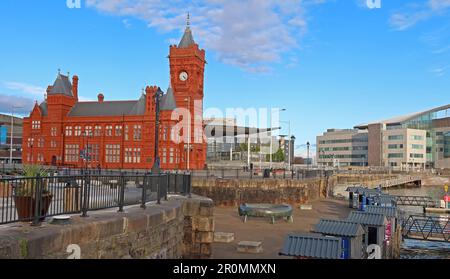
(188, 100)
(271, 139)
(12, 134)
(307, 146)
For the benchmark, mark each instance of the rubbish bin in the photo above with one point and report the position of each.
(72, 197)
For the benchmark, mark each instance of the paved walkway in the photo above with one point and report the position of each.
(259, 229)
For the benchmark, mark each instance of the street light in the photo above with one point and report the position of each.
(307, 147)
(188, 100)
(12, 133)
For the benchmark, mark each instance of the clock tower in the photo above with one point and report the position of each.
(187, 65)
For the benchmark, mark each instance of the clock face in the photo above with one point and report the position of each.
(183, 76)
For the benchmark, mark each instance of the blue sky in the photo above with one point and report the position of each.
(330, 63)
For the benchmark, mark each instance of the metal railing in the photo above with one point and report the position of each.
(431, 228)
(422, 201)
(33, 199)
(241, 173)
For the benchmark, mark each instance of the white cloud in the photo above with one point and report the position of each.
(126, 23)
(25, 88)
(250, 34)
(439, 71)
(415, 13)
(439, 5)
(22, 105)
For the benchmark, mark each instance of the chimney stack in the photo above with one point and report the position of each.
(101, 98)
(49, 88)
(75, 86)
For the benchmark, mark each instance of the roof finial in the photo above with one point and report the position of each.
(59, 71)
(188, 21)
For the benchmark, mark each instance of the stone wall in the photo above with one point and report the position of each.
(232, 192)
(178, 228)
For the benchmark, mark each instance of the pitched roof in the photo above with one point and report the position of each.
(312, 246)
(111, 108)
(168, 100)
(338, 228)
(62, 85)
(44, 108)
(388, 211)
(365, 218)
(187, 39)
(139, 106)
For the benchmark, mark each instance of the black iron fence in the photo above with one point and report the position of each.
(34, 199)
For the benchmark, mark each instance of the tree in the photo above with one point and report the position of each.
(277, 156)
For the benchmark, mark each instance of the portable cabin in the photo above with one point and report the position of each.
(392, 215)
(374, 224)
(385, 200)
(351, 233)
(312, 246)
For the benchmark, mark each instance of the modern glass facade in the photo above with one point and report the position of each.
(431, 122)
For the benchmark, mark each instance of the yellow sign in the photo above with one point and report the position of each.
(446, 188)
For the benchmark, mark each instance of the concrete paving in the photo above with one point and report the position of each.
(272, 237)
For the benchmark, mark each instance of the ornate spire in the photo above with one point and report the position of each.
(188, 21)
(187, 39)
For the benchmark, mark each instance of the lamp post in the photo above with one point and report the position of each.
(86, 136)
(12, 134)
(156, 163)
(188, 100)
(307, 147)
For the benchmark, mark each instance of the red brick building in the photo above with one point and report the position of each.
(121, 134)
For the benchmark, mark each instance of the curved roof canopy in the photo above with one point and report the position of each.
(403, 118)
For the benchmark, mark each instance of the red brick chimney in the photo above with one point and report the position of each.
(101, 98)
(75, 86)
(49, 88)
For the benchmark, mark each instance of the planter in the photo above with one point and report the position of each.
(25, 206)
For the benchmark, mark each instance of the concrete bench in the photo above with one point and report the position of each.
(305, 207)
(253, 247)
(223, 237)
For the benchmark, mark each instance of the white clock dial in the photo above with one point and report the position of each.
(183, 76)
